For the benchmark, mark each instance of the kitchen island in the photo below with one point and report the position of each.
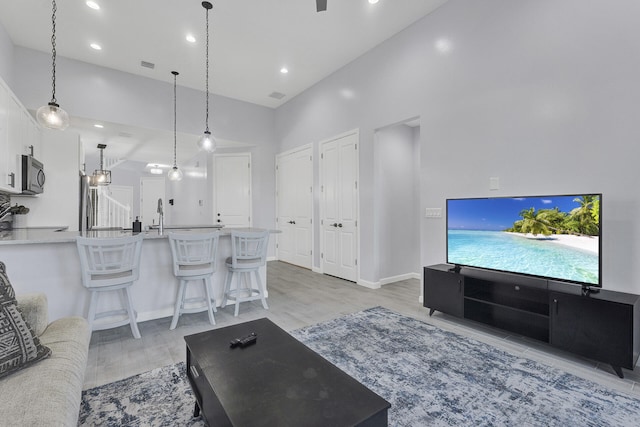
(46, 260)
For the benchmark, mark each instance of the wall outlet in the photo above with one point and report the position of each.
(494, 183)
(433, 213)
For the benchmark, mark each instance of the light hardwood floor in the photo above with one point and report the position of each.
(299, 297)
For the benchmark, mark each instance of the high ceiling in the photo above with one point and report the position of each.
(250, 42)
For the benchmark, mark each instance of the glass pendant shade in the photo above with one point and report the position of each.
(52, 116)
(174, 174)
(207, 142)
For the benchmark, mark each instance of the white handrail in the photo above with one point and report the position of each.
(109, 212)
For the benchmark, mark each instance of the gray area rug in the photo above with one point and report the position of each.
(430, 376)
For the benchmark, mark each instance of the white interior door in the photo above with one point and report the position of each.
(294, 181)
(339, 206)
(232, 189)
(151, 189)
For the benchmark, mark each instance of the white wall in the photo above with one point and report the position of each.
(58, 205)
(6, 57)
(543, 94)
(397, 227)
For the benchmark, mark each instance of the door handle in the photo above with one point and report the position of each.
(219, 221)
(340, 225)
(335, 224)
(292, 222)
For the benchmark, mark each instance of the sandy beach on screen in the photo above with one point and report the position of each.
(585, 243)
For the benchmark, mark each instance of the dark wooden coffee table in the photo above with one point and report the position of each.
(278, 381)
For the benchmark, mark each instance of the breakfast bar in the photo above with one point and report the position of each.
(46, 260)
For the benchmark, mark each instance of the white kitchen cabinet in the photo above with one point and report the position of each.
(18, 133)
(8, 158)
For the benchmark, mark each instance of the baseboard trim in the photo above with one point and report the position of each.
(387, 280)
(168, 312)
(399, 277)
(367, 284)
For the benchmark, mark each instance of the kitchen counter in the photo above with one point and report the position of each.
(27, 236)
(45, 260)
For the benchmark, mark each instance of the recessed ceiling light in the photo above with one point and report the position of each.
(93, 5)
(284, 70)
(191, 38)
(98, 125)
(95, 46)
(443, 45)
(373, 1)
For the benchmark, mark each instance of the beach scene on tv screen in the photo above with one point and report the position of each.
(551, 236)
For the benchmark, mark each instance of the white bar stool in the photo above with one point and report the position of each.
(194, 258)
(107, 265)
(248, 254)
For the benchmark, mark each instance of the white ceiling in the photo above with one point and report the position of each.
(250, 40)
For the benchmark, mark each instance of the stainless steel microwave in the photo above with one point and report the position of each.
(32, 175)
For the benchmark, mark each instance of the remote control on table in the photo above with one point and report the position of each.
(244, 341)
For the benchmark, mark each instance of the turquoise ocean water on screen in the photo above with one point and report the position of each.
(502, 251)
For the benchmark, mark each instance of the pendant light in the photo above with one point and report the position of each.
(206, 141)
(51, 115)
(100, 176)
(174, 174)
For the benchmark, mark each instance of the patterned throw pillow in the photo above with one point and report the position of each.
(19, 346)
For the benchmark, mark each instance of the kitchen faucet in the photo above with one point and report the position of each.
(161, 216)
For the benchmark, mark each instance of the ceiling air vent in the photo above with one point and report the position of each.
(148, 64)
(277, 95)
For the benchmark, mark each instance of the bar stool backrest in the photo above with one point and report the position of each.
(109, 262)
(249, 249)
(194, 254)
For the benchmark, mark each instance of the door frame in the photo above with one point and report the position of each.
(313, 189)
(214, 200)
(355, 132)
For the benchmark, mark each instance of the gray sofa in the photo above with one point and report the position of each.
(47, 393)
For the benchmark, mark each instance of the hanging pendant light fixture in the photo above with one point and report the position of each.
(207, 142)
(51, 115)
(174, 174)
(100, 176)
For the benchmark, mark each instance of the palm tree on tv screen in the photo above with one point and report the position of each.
(584, 219)
(533, 222)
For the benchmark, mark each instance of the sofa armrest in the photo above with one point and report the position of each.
(35, 311)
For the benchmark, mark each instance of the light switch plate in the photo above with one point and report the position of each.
(433, 213)
(494, 183)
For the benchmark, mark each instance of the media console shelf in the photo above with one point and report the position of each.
(602, 326)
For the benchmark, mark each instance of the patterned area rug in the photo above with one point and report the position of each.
(430, 376)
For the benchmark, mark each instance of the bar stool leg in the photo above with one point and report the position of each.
(238, 288)
(211, 309)
(93, 302)
(132, 315)
(227, 288)
(179, 304)
(261, 290)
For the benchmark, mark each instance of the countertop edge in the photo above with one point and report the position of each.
(41, 236)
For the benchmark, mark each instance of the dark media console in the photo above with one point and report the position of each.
(602, 325)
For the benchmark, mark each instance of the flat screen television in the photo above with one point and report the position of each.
(554, 237)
